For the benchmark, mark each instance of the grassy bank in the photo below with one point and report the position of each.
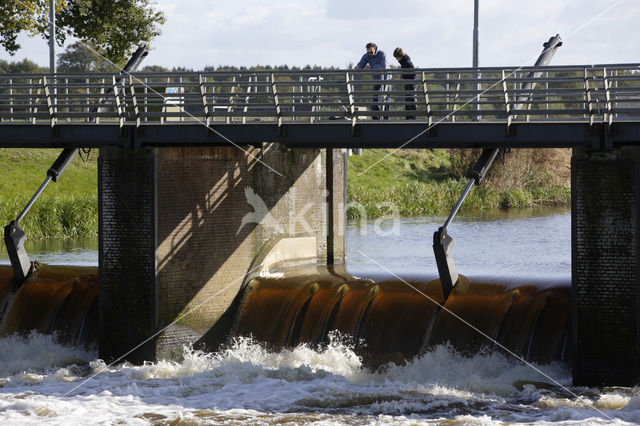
(429, 182)
(409, 183)
(67, 208)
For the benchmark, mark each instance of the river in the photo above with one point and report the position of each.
(513, 243)
(42, 381)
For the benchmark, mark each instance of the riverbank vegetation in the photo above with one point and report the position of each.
(67, 208)
(380, 182)
(429, 182)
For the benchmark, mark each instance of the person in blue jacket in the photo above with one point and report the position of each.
(376, 60)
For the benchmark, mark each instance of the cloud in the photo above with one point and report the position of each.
(434, 33)
(376, 9)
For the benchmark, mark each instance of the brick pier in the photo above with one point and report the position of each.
(606, 266)
(180, 228)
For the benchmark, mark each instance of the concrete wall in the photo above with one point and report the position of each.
(205, 217)
(605, 267)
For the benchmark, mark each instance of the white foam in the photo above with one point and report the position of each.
(246, 383)
(38, 353)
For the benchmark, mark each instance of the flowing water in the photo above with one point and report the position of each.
(294, 370)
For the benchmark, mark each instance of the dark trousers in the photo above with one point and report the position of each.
(410, 101)
(376, 98)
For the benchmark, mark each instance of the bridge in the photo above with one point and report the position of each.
(186, 216)
(596, 106)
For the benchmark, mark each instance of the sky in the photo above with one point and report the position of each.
(435, 33)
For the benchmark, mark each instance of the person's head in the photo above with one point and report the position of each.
(371, 48)
(398, 53)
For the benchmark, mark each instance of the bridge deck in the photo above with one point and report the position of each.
(593, 106)
(329, 135)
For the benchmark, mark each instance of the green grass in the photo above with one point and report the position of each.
(420, 182)
(408, 182)
(23, 170)
(67, 208)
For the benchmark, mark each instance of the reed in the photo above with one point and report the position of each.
(54, 217)
(429, 182)
(67, 208)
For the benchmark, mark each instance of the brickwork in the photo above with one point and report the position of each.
(605, 274)
(127, 242)
(217, 208)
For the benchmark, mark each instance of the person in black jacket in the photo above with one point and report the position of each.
(405, 62)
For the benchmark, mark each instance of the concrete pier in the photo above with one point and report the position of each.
(182, 228)
(606, 266)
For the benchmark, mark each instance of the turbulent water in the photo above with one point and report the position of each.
(244, 382)
(43, 381)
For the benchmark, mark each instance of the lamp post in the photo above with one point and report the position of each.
(52, 37)
(475, 33)
(475, 53)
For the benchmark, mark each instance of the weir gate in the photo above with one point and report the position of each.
(184, 155)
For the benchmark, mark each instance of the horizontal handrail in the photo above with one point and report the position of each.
(589, 93)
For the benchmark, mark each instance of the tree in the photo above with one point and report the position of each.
(154, 68)
(117, 26)
(84, 57)
(23, 67)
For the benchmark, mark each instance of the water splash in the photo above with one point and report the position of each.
(247, 383)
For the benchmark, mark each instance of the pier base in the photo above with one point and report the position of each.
(606, 267)
(181, 229)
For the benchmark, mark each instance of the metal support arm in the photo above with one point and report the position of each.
(14, 237)
(442, 241)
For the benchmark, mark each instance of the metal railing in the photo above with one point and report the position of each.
(603, 93)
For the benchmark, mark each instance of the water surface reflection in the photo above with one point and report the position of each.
(527, 243)
(58, 251)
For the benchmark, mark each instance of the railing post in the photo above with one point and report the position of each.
(100, 100)
(614, 95)
(530, 98)
(30, 99)
(66, 92)
(231, 96)
(164, 107)
(146, 98)
(506, 99)
(316, 105)
(116, 95)
(546, 94)
(588, 97)
(35, 110)
(447, 91)
(134, 101)
(608, 115)
(310, 89)
(47, 94)
(352, 108)
(426, 97)
(276, 102)
(88, 100)
(246, 101)
(203, 95)
(455, 98)
(10, 100)
(180, 100)
(478, 91)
